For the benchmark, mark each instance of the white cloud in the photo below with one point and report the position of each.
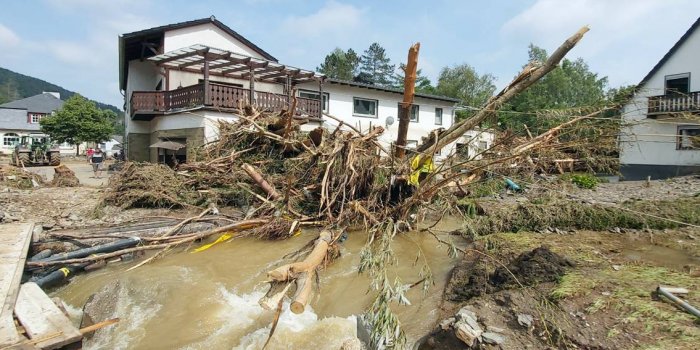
(636, 32)
(332, 18)
(8, 38)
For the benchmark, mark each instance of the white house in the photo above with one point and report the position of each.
(661, 127)
(178, 80)
(21, 118)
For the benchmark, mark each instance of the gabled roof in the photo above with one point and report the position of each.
(15, 119)
(42, 103)
(670, 52)
(388, 89)
(124, 39)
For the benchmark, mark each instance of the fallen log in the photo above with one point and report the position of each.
(260, 180)
(302, 273)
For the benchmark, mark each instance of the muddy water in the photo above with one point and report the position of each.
(208, 300)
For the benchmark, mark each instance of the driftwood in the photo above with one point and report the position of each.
(255, 175)
(302, 274)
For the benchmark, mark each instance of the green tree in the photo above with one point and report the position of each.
(340, 64)
(79, 120)
(9, 91)
(464, 83)
(569, 88)
(375, 67)
(423, 83)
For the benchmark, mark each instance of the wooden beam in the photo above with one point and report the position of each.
(266, 70)
(14, 244)
(280, 74)
(236, 69)
(251, 88)
(181, 56)
(207, 95)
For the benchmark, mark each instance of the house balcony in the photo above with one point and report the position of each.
(145, 105)
(673, 104)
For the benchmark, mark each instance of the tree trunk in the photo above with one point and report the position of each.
(409, 90)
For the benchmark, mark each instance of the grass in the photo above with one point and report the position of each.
(565, 214)
(627, 300)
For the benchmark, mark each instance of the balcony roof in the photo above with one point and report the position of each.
(232, 65)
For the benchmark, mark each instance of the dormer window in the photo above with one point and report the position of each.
(34, 118)
(677, 84)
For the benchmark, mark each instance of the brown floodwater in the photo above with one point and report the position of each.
(209, 300)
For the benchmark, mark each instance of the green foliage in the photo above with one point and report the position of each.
(376, 67)
(79, 120)
(21, 86)
(463, 82)
(340, 64)
(423, 84)
(570, 85)
(582, 180)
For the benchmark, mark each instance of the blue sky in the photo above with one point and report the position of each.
(73, 43)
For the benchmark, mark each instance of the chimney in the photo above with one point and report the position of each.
(55, 94)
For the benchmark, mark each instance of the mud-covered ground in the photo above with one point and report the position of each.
(595, 292)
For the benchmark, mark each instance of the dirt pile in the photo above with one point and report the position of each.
(14, 177)
(472, 277)
(64, 177)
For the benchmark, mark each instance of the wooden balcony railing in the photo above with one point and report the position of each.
(674, 103)
(220, 96)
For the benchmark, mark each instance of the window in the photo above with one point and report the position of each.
(678, 84)
(34, 118)
(483, 145)
(314, 95)
(411, 144)
(688, 137)
(10, 139)
(364, 108)
(438, 116)
(413, 114)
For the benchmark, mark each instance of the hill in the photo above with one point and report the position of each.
(14, 86)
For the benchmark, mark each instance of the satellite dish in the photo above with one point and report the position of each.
(389, 120)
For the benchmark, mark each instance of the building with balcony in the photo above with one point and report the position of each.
(180, 80)
(660, 135)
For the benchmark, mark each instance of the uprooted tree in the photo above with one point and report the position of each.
(335, 179)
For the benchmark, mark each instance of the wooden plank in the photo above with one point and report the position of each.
(41, 318)
(14, 244)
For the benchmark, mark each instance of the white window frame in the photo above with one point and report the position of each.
(314, 95)
(376, 108)
(32, 117)
(6, 140)
(683, 144)
(410, 112)
(436, 116)
(411, 144)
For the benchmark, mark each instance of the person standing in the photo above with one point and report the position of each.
(89, 154)
(96, 160)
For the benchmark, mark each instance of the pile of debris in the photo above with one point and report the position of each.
(14, 177)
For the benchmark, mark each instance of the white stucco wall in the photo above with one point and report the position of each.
(206, 34)
(143, 76)
(474, 139)
(180, 78)
(648, 141)
(341, 107)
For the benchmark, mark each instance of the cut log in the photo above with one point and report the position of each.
(41, 318)
(301, 297)
(255, 175)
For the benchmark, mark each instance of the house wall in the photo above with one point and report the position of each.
(64, 149)
(183, 79)
(648, 146)
(341, 107)
(206, 34)
(473, 140)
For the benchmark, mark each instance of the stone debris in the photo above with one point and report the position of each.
(525, 320)
(466, 333)
(493, 338)
(447, 323)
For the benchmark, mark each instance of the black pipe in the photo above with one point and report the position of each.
(41, 255)
(99, 249)
(59, 276)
